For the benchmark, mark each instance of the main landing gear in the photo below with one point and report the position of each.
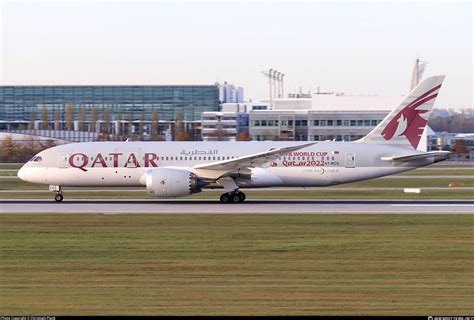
(233, 194)
(233, 197)
(59, 193)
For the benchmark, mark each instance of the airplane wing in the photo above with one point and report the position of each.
(252, 160)
(438, 156)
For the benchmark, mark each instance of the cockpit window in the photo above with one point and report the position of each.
(37, 159)
(32, 159)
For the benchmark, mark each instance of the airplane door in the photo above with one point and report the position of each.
(62, 160)
(350, 160)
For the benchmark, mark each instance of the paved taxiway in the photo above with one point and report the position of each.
(251, 206)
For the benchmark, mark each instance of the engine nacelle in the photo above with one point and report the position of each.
(170, 182)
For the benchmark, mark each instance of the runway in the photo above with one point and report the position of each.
(251, 206)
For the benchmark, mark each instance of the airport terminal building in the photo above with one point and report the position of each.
(27, 107)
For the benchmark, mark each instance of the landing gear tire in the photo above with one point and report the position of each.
(235, 197)
(58, 197)
(225, 198)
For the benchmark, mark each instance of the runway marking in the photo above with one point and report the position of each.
(432, 205)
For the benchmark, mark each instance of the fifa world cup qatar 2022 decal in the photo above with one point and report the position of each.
(308, 159)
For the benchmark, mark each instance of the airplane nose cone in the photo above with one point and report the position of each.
(22, 173)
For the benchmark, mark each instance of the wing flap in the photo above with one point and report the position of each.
(252, 160)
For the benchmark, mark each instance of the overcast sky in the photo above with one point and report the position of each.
(351, 47)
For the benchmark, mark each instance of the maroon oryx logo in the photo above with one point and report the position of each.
(410, 121)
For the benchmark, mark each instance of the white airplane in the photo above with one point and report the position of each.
(176, 169)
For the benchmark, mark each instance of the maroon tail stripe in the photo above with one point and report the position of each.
(422, 96)
(420, 102)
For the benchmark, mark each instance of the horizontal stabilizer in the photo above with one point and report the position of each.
(437, 155)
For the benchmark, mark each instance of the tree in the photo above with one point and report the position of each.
(44, 119)
(106, 119)
(69, 117)
(243, 136)
(57, 118)
(182, 136)
(82, 117)
(154, 125)
(119, 130)
(459, 148)
(178, 124)
(49, 143)
(94, 118)
(8, 147)
(140, 126)
(129, 123)
(218, 134)
(31, 124)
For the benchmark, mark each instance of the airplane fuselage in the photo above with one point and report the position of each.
(122, 164)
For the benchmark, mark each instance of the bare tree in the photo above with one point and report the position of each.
(218, 134)
(141, 125)
(129, 123)
(8, 147)
(69, 117)
(106, 119)
(82, 117)
(178, 124)
(94, 118)
(44, 119)
(119, 130)
(57, 118)
(154, 125)
(31, 124)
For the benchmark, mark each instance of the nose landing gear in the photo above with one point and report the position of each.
(58, 197)
(59, 193)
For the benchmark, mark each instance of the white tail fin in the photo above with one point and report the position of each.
(404, 125)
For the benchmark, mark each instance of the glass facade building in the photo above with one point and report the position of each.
(20, 104)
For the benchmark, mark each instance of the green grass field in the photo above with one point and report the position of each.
(237, 264)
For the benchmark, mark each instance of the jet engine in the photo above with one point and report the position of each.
(170, 182)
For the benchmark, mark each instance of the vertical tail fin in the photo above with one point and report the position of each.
(404, 125)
